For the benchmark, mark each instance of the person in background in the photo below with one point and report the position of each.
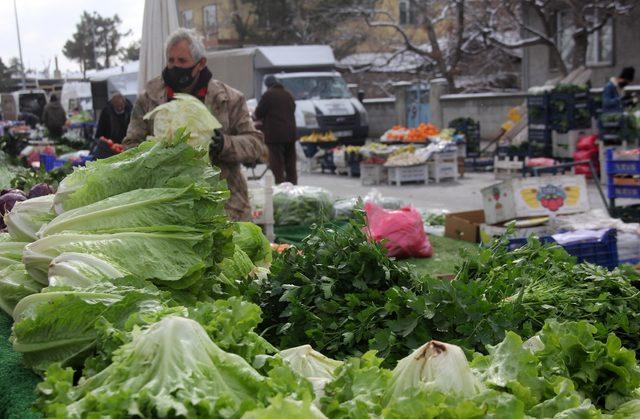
(114, 119)
(276, 111)
(237, 142)
(613, 99)
(54, 117)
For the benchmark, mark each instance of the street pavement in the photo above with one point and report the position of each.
(461, 195)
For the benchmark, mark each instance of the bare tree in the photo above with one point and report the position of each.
(587, 17)
(450, 37)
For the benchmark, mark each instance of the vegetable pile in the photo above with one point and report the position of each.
(134, 295)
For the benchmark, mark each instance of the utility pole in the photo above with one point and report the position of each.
(24, 79)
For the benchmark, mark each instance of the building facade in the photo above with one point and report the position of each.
(610, 49)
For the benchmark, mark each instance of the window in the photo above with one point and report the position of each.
(187, 19)
(600, 49)
(407, 13)
(210, 21)
(564, 35)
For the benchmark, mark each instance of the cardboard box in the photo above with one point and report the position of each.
(535, 196)
(489, 232)
(464, 225)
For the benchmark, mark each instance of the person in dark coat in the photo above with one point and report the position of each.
(54, 117)
(276, 111)
(612, 95)
(114, 119)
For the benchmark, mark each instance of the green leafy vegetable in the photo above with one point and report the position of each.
(157, 209)
(170, 369)
(58, 324)
(27, 217)
(231, 324)
(184, 111)
(280, 407)
(254, 243)
(10, 253)
(177, 260)
(80, 270)
(150, 165)
(15, 284)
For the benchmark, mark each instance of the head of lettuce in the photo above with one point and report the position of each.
(187, 95)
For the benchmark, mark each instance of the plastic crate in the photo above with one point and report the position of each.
(50, 162)
(538, 109)
(399, 175)
(599, 252)
(373, 174)
(539, 135)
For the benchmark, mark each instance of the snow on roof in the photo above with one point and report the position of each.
(382, 62)
(294, 56)
(98, 75)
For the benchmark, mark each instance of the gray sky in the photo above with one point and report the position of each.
(45, 26)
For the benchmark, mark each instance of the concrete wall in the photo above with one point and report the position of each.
(626, 33)
(489, 108)
(382, 115)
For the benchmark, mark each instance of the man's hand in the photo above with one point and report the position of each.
(216, 145)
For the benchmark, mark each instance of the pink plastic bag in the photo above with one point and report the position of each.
(402, 229)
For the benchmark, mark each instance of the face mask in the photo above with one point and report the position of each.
(179, 78)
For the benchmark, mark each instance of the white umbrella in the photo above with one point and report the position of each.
(160, 19)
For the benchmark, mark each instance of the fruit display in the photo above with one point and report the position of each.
(419, 134)
(316, 137)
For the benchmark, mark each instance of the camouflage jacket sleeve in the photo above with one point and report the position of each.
(138, 129)
(243, 142)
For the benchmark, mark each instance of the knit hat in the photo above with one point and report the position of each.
(270, 81)
(627, 73)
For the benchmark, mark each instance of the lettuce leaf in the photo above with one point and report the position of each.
(184, 111)
(231, 324)
(156, 209)
(254, 243)
(58, 324)
(11, 253)
(150, 165)
(177, 260)
(281, 407)
(27, 217)
(15, 284)
(169, 369)
(81, 270)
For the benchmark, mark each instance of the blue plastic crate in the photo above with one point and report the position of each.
(623, 191)
(602, 252)
(50, 162)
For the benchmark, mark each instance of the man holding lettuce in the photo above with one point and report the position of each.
(237, 142)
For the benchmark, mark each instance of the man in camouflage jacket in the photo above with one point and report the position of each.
(242, 142)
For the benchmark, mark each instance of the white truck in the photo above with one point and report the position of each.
(323, 101)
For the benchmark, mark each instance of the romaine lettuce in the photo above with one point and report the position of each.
(27, 217)
(15, 284)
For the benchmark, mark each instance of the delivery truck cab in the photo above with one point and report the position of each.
(323, 101)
